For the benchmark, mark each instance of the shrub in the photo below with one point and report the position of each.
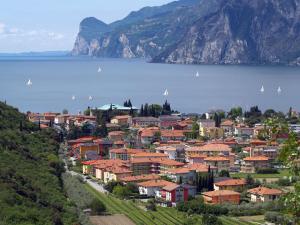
(266, 171)
(97, 207)
(211, 220)
(122, 191)
(278, 218)
(151, 205)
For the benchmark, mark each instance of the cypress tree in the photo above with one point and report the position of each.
(129, 104)
(142, 110)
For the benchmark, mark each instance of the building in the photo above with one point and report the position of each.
(124, 120)
(268, 151)
(221, 196)
(212, 149)
(148, 135)
(170, 151)
(149, 188)
(140, 178)
(141, 165)
(123, 153)
(263, 194)
(228, 126)
(167, 121)
(116, 173)
(196, 158)
(201, 168)
(117, 108)
(206, 123)
(173, 193)
(211, 132)
(221, 163)
(172, 135)
(230, 184)
(243, 131)
(251, 164)
(145, 121)
(116, 135)
(87, 148)
(181, 175)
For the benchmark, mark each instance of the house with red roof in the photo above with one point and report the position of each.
(124, 120)
(264, 194)
(181, 175)
(221, 196)
(167, 192)
(230, 184)
(221, 163)
(251, 164)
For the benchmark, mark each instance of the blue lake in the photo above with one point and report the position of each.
(56, 80)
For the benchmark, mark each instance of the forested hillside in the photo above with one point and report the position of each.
(31, 189)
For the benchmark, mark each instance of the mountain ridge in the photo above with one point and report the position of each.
(201, 32)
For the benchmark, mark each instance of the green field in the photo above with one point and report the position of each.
(282, 173)
(163, 216)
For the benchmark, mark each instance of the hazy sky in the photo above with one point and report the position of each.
(40, 25)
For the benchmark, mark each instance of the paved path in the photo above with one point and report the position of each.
(92, 183)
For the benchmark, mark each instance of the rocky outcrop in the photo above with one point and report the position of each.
(201, 32)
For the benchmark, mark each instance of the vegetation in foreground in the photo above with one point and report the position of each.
(31, 190)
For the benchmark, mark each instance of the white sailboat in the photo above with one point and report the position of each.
(90, 98)
(279, 90)
(29, 83)
(73, 97)
(166, 93)
(262, 90)
(197, 74)
(99, 69)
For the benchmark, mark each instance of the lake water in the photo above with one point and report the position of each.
(56, 80)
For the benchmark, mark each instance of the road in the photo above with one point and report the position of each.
(92, 183)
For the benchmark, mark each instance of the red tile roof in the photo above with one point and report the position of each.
(220, 193)
(216, 158)
(155, 183)
(231, 182)
(265, 191)
(256, 158)
(140, 178)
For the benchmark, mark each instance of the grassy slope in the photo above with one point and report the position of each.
(30, 187)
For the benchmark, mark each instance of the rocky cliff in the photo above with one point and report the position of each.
(200, 32)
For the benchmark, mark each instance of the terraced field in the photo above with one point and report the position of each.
(163, 216)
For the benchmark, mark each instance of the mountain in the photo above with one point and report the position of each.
(201, 32)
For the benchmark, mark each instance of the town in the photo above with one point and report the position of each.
(164, 158)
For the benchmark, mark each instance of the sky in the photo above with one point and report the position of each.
(50, 25)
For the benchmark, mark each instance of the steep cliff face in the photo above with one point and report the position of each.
(201, 32)
(242, 32)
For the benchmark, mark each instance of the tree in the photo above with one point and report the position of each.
(151, 205)
(235, 112)
(65, 111)
(122, 191)
(129, 103)
(217, 119)
(97, 207)
(224, 173)
(142, 110)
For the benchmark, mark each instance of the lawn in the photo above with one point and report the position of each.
(282, 173)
